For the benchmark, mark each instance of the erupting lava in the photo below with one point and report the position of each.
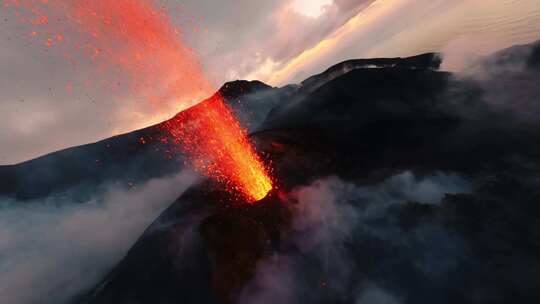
(232, 160)
(137, 38)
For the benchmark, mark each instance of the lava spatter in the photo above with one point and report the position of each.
(211, 126)
(137, 38)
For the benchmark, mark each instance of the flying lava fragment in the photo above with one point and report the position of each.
(137, 39)
(232, 160)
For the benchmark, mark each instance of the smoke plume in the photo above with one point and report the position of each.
(335, 227)
(54, 249)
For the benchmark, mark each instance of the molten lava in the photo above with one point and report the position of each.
(219, 147)
(137, 39)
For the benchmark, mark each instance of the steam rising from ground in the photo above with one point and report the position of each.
(509, 79)
(52, 250)
(330, 216)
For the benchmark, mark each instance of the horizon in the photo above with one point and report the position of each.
(44, 98)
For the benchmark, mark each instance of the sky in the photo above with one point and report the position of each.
(275, 41)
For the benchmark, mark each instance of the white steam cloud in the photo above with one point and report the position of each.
(52, 250)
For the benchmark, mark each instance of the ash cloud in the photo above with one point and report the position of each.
(52, 250)
(333, 245)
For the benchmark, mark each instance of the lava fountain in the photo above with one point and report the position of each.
(138, 39)
(220, 148)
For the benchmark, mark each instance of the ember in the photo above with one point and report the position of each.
(219, 147)
(138, 38)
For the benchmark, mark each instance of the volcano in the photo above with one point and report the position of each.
(347, 148)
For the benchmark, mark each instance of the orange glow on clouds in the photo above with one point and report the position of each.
(133, 37)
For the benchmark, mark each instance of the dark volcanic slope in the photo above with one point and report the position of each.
(126, 159)
(424, 61)
(363, 126)
(144, 154)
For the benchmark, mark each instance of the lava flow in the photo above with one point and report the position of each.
(137, 38)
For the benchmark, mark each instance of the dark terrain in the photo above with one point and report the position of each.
(362, 122)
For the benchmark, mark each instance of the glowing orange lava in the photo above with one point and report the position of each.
(137, 39)
(211, 126)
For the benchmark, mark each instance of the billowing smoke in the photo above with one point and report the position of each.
(509, 80)
(54, 249)
(340, 230)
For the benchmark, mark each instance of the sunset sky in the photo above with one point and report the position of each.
(277, 41)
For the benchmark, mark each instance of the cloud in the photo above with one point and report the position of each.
(60, 95)
(508, 82)
(47, 104)
(251, 40)
(410, 188)
(374, 295)
(394, 28)
(267, 40)
(38, 114)
(55, 249)
(334, 227)
(274, 282)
